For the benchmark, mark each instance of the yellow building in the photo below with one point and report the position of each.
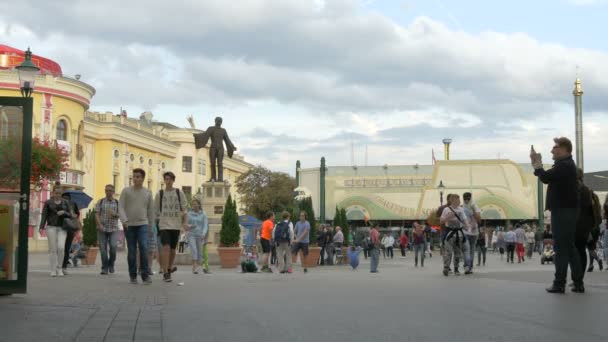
(59, 106)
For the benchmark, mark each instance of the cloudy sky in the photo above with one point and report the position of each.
(301, 79)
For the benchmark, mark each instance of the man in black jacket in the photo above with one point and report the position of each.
(563, 201)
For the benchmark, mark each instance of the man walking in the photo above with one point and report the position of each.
(170, 204)
(511, 241)
(136, 210)
(283, 236)
(106, 217)
(520, 242)
(302, 240)
(374, 249)
(455, 221)
(265, 238)
(563, 202)
(473, 214)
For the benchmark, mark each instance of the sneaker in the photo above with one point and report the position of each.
(467, 272)
(111, 269)
(290, 271)
(64, 271)
(194, 271)
(60, 273)
(147, 281)
(578, 289)
(206, 271)
(53, 274)
(103, 272)
(133, 280)
(174, 269)
(456, 272)
(167, 277)
(590, 269)
(555, 289)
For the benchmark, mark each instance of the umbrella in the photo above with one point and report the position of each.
(79, 198)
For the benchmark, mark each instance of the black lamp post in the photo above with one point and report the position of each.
(27, 74)
(441, 188)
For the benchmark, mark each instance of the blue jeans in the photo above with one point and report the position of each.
(469, 251)
(375, 259)
(107, 240)
(137, 236)
(419, 249)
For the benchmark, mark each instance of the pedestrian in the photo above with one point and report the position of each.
(389, 241)
(501, 243)
(330, 247)
(283, 236)
(265, 238)
(302, 240)
(70, 232)
(530, 242)
(471, 233)
(588, 222)
(106, 217)
(403, 243)
(455, 220)
(494, 240)
(563, 202)
(481, 247)
(170, 205)
(367, 246)
(197, 229)
(136, 210)
(54, 212)
(419, 240)
(520, 243)
(322, 242)
(510, 241)
(375, 249)
(338, 238)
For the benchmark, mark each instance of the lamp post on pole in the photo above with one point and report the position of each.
(441, 188)
(27, 74)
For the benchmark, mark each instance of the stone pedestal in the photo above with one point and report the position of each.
(214, 198)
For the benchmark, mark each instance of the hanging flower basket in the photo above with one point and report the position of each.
(47, 161)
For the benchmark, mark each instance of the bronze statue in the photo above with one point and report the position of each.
(218, 136)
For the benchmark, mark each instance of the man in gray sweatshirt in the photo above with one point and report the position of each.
(137, 215)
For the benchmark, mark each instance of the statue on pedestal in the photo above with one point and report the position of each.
(218, 136)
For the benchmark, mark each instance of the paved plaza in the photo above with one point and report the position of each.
(401, 303)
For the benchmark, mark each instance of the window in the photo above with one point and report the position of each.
(218, 210)
(132, 157)
(116, 154)
(62, 131)
(141, 160)
(186, 164)
(150, 162)
(115, 181)
(202, 167)
(187, 190)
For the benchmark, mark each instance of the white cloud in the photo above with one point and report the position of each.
(312, 73)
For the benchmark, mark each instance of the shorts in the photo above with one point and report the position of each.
(151, 237)
(303, 246)
(265, 246)
(169, 237)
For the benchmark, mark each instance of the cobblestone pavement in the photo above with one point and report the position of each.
(499, 302)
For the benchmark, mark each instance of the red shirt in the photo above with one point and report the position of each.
(374, 236)
(404, 240)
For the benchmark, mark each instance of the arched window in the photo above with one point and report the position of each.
(62, 131)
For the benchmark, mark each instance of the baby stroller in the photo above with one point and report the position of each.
(548, 253)
(249, 259)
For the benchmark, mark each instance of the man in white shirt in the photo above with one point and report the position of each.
(473, 214)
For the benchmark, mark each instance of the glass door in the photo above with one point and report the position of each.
(15, 163)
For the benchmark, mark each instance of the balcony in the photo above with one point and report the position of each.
(72, 179)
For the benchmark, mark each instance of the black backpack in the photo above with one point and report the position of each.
(281, 232)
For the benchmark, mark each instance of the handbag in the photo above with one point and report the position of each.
(70, 224)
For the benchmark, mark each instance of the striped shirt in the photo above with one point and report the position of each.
(108, 214)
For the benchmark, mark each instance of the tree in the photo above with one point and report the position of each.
(345, 227)
(89, 229)
(306, 205)
(263, 190)
(230, 233)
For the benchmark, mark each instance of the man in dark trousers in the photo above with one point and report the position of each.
(563, 202)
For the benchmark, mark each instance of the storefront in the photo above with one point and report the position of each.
(15, 161)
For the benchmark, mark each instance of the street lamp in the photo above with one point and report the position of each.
(441, 188)
(27, 74)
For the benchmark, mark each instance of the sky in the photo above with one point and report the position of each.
(301, 79)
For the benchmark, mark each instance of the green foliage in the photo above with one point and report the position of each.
(89, 229)
(263, 190)
(345, 227)
(306, 205)
(230, 233)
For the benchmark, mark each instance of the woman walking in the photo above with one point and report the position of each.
(70, 233)
(198, 225)
(54, 212)
(403, 243)
(481, 247)
(419, 239)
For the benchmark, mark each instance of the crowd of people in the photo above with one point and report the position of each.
(153, 226)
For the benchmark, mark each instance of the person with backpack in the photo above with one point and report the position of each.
(106, 217)
(170, 205)
(455, 221)
(283, 236)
